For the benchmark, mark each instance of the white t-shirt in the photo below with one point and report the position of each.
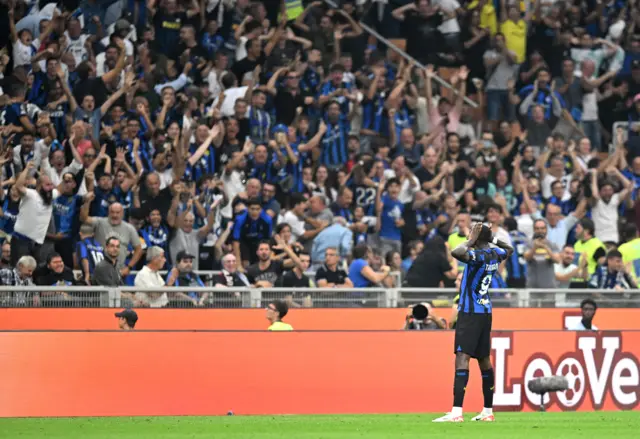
(549, 179)
(525, 225)
(76, 47)
(296, 224)
(562, 270)
(22, 54)
(605, 218)
(34, 216)
(230, 97)
(449, 26)
(232, 186)
(241, 50)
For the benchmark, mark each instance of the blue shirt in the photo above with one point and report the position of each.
(391, 211)
(374, 116)
(516, 264)
(10, 211)
(543, 98)
(91, 250)
(247, 229)
(359, 281)
(66, 213)
(158, 237)
(328, 88)
(482, 265)
(334, 145)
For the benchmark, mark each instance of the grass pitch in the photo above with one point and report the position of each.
(618, 425)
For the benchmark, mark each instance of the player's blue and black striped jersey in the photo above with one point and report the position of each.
(477, 277)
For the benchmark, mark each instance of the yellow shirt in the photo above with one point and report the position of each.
(630, 254)
(487, 16)
(589, 247)
(515, 35)
(455, 240)
(280, 326)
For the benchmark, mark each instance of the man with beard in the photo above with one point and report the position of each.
(106, 272)
(36, 208)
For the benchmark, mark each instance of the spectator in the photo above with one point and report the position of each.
(390, 212)
(360, 272)
(566, 271)
(5, 261)
(106, 271)
(182, 275)
(587, 244)
(89, 253)
(265, 273)
(541, 255)
(114, 225)
(149, 277)
(613, 275)
(330, 275)
(249, 229)
(32, 222)
(20, 276)
(337, 236)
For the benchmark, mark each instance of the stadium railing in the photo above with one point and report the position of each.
(237, 297)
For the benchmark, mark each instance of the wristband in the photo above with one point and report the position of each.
(494, 241)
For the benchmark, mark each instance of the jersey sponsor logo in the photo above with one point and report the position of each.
(596, 369)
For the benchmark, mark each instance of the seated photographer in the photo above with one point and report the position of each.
(422, 316)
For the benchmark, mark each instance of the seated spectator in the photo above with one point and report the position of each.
(55, 273)
(149, 277)
(330, 274)
(106, 273)
(89, 253)
(182, 275)
(21, 276)
(265, 273)
(360, 272)
(5, 260)
(337, 236)
(613, 275)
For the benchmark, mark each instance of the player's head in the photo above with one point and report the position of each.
(485, 235)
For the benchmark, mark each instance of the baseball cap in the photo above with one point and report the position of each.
(122, 24)
(183, 255)
(129, 315)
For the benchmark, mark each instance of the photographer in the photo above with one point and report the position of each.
(421, 316)
(541, 255)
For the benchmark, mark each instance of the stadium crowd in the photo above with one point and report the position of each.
(271, 139)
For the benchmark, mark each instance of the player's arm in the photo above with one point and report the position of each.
(504, 246)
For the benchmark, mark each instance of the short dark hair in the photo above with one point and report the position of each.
(254, 202)
(111, 238)
(265, 242)
(360, 251)
(485, 234)
(51, 256)
(281, 307)
(588, 224)
(588, 302)
(297, 198)
(614, 254)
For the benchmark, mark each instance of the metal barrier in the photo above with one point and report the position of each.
(209, 297)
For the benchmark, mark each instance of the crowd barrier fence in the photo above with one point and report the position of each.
(239, 297)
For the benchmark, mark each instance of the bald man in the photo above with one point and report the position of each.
(114, 225)
(36, 208)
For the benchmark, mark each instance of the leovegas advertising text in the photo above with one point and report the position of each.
(385, 319)
(136, 373)
(602, 369)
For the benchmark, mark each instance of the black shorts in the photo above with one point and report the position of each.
(473, 335)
